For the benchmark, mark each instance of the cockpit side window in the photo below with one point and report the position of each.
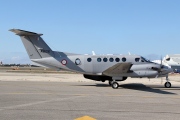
(137, 59)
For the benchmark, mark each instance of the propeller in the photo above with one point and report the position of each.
(160, 70)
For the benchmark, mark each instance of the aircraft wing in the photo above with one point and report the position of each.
(117, 69)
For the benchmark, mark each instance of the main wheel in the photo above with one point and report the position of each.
(115, 85)
(167, 84)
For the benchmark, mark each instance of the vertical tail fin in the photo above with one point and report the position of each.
(34, 44)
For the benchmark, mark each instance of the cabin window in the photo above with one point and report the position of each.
(77, 61)
(111, 59)
(89, 59)
(99, 59)
(117, 59)
(105, 59)
(124, 59)
(137, 59)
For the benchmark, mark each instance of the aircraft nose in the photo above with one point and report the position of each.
(167, 70)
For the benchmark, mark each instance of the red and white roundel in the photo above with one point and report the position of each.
(64, 62)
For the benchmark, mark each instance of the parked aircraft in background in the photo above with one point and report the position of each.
(171, 60)
(95, 67)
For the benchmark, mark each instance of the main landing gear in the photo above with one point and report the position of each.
(110, 82)
(167, 83)
(114, 84)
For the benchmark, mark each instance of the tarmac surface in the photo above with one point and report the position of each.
(25, 96)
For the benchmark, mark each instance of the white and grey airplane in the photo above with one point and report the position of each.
(95, 67)
(173, 61)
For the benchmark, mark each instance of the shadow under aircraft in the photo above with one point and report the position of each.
(141, 87)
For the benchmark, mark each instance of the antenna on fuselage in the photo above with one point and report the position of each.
(93, 53)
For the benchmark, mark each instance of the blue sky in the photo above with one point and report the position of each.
(149, 28)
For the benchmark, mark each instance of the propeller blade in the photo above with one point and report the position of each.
(157, 76)
(161, 61)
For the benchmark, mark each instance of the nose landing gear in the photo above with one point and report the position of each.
(167, 84)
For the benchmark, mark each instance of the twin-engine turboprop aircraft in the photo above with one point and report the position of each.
(95, 67)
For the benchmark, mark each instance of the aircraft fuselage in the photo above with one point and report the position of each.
(96, 64)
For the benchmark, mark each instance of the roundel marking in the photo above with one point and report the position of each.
(77, 61)
(64, 62)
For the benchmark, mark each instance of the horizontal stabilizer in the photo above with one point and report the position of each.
(24, 33)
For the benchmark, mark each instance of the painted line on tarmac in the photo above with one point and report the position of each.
(39, 102)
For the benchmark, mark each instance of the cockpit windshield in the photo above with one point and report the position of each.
(145, 60)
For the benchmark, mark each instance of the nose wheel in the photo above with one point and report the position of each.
(167, 84)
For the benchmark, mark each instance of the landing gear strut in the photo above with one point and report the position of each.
(110, 82)
(167, 84)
